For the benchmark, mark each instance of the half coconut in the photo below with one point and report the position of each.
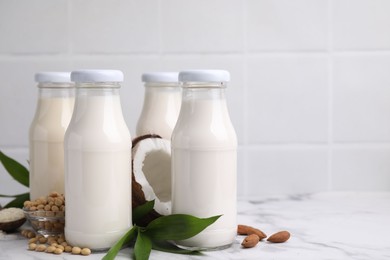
(151, 177)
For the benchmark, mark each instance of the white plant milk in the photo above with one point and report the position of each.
(47, 146)
(204, 162)
(98, 170)
(46, 135)
(161, 104)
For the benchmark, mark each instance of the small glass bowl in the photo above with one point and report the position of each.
(46, 222)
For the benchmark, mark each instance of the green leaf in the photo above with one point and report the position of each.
(126, 238)
(9, 196)
(177, 227)
(15, 169)
(142, 210)
(143, 246)
(165, 246)
(18, 201)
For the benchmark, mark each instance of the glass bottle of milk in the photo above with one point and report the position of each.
(161, 104)
(97, 163)
(204, 156)
(46, 135)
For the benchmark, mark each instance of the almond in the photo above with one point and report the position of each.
(279, 237)
(250, 241)
(248, 230)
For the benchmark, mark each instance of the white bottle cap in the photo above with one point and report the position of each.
(204, 76)
(51, 76)
(160, 77)
(97, 76)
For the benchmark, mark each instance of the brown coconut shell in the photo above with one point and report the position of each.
(12, 225)
(138, 196)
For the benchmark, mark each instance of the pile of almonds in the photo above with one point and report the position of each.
(254, 235)
(52, 244)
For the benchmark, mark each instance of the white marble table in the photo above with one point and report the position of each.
(334, 225)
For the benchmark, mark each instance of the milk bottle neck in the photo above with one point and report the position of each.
(204, 92)
(165, 94)
(204, 106)
(98, 101)
(163, 86)
(100, 90)
(56, 90)
(55, 100)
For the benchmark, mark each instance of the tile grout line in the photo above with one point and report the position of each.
(14, 148)
(245, 95)
(310, 146)
(69, 28)
(160, 27)
(70, 52)
(330, 97)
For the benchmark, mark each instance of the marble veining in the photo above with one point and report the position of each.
(329, 225)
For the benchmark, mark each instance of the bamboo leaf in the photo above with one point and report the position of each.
(177, 227)
(143, 246)
(15, 169)
(165, 246)
(142, 210)
(9, 196)
(18, 201)
(126, 238)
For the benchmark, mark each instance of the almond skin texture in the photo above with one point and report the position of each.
(279, 237)
(250, 241)
(248, 230)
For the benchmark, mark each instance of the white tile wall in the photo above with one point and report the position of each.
(361, 24)
(206, 26)
(310, 89)
(275, 170)
(33, 27)
(361, 168)
(288, 99)
(361, 98)
(117, 26)
(284, 25)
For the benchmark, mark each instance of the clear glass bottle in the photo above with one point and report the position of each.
(204, 158)
(46, 135)
(161, 104)
(97, 163)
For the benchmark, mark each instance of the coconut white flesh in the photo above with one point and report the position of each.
(152, 170)
(11, 214)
